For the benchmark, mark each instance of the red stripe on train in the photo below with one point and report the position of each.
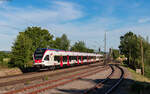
(37, 61)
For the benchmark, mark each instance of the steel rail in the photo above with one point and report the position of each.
(101, 83)
(118, 82)
(39, 77)
(48, 82)
(68, 81)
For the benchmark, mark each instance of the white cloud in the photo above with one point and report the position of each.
(6, 41)
(68, 11)
(58, 12)
(14, 19)
(57, 18)
(144, 20)
(1, 2)
(114, 35)
(89, 31)
(94, 31)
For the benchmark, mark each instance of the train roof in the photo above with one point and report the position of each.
(59, 50)
(49, 49)
(67, 52)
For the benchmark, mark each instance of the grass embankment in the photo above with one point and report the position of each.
(141, 84)
(5, 70)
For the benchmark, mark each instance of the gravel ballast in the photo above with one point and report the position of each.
(81, 85)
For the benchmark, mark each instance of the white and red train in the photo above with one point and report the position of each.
(44, 57)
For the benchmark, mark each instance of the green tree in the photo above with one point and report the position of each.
(41, 38)
(115, 53)
(79, 47)
(130, 47)
(21, 51)
(90, 50)
(27, 42)
(57, 43)
(65, 43)
(4, 55)
(62, 43)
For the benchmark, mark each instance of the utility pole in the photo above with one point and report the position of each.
(142, 59)
(129, 56)
(105, 48)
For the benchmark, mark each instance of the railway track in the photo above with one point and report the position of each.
(107, 85)
(73, 71)
(34, 76)
(35, 72)
(45, 85)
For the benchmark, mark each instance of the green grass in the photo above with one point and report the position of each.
(141, 84)
(4, 63)
(138, 77)
(45, 78)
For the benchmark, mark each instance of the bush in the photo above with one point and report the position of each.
(115, 53)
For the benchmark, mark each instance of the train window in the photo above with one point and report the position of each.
(80, 58)
(75, 57)
(57, 58)
(70, 58)
(84, 57)
(46, 58)
(64, 58)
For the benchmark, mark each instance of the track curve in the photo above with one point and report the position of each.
(101, 88)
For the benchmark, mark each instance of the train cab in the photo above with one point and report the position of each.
(41, 58)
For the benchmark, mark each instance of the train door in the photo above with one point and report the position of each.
(47, 60)
(51, 59)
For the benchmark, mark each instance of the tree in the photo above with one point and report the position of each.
(65, 43)
(4, 55)
(27, 42)
(41, 38)
(115, 53)
(21, 50)
(62, 43)
(130, 46)
(79, 47)
(57, 43)
(90, 50)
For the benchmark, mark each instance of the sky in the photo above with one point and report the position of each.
(85, 20)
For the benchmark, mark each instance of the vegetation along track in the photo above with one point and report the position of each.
(59, 81)
(38, 75)
(107, 85)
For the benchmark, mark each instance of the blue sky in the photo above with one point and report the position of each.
(85, 20)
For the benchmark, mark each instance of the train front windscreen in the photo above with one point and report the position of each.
(38, 55)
